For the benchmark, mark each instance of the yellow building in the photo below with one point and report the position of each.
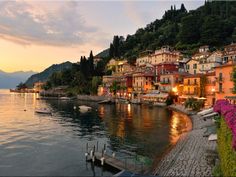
(142, 82)
(192, 86)
(165, 54)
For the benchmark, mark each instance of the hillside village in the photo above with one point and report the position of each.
(206, 76)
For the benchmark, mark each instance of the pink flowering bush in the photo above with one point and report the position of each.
(228, 111)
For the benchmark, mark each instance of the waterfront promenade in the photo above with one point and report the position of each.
(193, 155)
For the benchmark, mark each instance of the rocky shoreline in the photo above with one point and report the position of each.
(193, 155)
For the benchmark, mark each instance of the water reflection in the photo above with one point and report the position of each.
(55, 144)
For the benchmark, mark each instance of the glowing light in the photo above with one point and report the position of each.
(213, 90)
(174, 89)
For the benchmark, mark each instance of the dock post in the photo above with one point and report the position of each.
(93, 156)
(97, 146)
(87, 147)
(94, 148)
(104, 148)
(102, 153)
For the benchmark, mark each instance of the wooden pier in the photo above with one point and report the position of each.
(110, 160)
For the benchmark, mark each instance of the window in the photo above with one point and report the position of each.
(220, 76)
(195, 81)
(195, 66)
(195, 90)
(146, 83)
(194, 72)
(188, 81)
(220, 87)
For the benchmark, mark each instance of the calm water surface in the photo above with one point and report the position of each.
(33, 144)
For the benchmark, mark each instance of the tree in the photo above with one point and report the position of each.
(182, 8)
(234, 35)
(211, 31)
(21, 86)
(90, 64)
(111, 51)
(189, 31)
(114, 87)
(96, 81)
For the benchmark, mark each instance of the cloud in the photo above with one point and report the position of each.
(132, 11)
(45, 23)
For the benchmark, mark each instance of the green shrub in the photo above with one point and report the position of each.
(217, 171)
(226, 153)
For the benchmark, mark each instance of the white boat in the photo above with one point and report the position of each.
(135, 101)
(43, 111)
(206, 111)
(84, 108)
(64, 98)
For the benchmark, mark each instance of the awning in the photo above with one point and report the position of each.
(152, 95)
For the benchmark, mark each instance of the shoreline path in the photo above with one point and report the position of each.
(193, 155)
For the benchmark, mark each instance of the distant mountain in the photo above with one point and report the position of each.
(44, 75)
(11, 80)
(103, 54)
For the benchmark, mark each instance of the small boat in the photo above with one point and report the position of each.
(135, 101)
(206, 111)
(64, 98)
(84, 108)
(108, 101)
(43, 111)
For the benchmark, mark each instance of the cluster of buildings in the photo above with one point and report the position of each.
(206, 75)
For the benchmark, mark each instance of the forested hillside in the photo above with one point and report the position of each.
(212, 24)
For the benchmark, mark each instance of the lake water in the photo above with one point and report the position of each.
(33, 144)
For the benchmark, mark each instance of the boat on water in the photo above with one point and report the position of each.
(135, 101)
(108, 101)
(84, 109)
(43, 111)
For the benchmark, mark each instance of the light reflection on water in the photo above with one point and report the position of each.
(32, 144)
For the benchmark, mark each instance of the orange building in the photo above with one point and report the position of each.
(210, 89)
(224, 82)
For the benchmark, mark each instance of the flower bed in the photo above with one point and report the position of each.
(228, 111)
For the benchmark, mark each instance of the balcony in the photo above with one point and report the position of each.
(191, 83)
(165, 82)
(191, 93)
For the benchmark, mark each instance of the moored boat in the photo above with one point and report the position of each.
(84, 108)
(43, 111)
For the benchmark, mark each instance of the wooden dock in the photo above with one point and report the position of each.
(117, 163)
